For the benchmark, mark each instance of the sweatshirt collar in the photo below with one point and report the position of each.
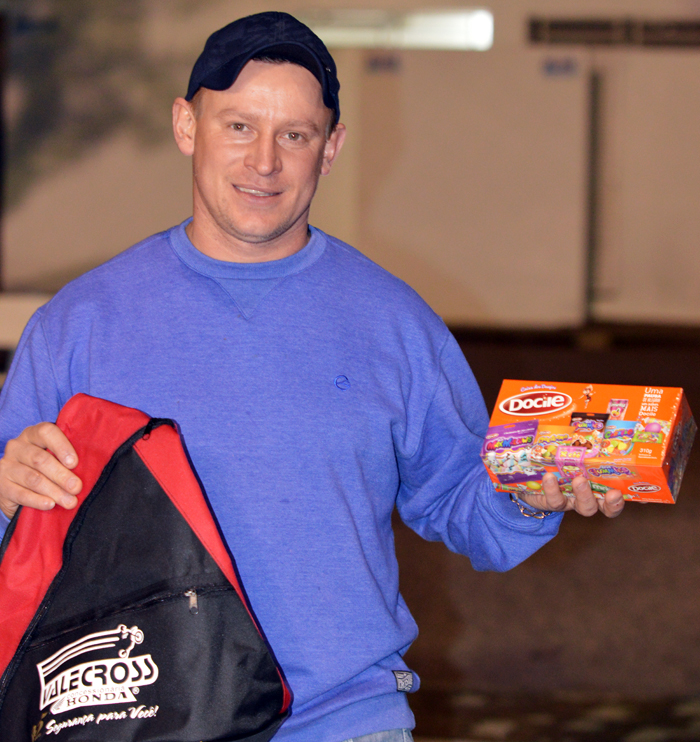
(213, 268)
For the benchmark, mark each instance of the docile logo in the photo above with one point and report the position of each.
(644, 488)
(530, 404)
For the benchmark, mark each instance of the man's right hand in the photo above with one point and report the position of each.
(32, 476)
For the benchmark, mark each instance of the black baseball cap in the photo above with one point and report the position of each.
(274, 34)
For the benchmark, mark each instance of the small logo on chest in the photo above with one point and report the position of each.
(342, 382)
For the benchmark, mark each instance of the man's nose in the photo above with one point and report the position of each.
(263, 155)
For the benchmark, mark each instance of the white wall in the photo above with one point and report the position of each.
(472, 184)
(93, 208)
(650, 222)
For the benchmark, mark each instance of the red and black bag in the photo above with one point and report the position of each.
(124, 619)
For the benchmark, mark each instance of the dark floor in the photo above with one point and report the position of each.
(597, 636)
(475, 717)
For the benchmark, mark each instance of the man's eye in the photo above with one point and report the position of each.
(238, 127)
(294, 136)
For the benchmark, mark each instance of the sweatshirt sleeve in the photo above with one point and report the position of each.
(445, 492)
(30, 394)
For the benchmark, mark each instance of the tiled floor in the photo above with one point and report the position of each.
(473, 717)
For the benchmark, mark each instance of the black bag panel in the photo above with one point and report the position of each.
(181, 695)
(152, 551)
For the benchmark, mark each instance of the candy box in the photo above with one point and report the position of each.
(633, 438)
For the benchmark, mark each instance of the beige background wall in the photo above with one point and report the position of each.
(464, 172)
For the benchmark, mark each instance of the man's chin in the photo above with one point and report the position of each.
(267, 235)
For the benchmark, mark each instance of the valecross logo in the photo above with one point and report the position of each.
(530, 404)
(96, 683)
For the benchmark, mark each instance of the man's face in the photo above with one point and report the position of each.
(259, 149)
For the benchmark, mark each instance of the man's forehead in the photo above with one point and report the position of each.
(288, 77)
(263, 62)
(253, 96)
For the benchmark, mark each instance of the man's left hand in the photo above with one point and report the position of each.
(583, 502)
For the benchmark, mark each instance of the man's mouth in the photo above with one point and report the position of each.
(254, 192)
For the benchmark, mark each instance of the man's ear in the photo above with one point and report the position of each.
(184, 126)
(334, 144)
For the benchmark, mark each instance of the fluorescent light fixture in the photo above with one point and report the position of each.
(458, 30)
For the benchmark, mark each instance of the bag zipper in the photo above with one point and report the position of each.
(194, 603)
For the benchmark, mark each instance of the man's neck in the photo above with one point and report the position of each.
(229, 249)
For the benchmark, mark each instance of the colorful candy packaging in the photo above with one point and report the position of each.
(633, 438)
(507, 452)
(617, 408)
(618, 439)
(588, 431)
(651, 430)
(570, 462)
(549, 439)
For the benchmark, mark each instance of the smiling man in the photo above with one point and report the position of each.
(315, 391)
(259, 148)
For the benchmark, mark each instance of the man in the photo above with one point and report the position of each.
(314, 391)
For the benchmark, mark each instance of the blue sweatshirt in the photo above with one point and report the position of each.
(314, 394)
